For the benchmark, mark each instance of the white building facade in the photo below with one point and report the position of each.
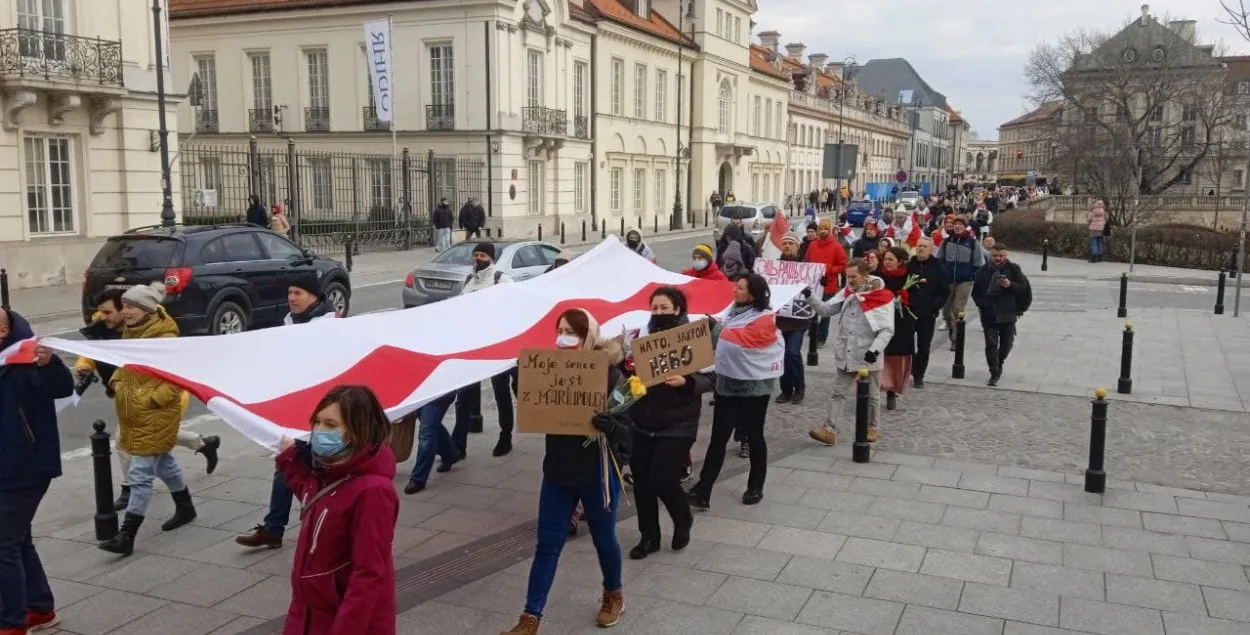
(78, 81)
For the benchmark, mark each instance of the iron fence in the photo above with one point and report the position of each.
(378, 201)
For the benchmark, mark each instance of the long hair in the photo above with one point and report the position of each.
(577, 321)
(363, 415)
(761, 295)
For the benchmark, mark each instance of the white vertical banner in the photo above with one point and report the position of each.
(378, 54)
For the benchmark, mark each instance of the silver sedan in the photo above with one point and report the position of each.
(445, 275)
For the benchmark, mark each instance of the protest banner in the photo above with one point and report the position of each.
(683, 350)
(559, 391)
(789, 272)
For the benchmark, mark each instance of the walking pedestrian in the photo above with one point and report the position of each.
(870, 240)
(441, 219)
(749, 358)
(960, 256)
(256, 214)
(472, 218)
(703, 265)
(897, 367)
(576, 471)
(1097, 232)
(469, 398)
(30, 445)
(278, 223)
(793, 321)
(633, 240)
(826, 250)
(1002, 294)
(343, 579)
(432, 439)
(149, 411)
(926, 299)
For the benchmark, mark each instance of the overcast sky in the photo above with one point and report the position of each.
(973, 51)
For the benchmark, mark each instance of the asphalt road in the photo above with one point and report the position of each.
(674, 254)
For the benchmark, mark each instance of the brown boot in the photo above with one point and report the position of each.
(526, 625)
(824, 434)
(872, 434)
(260, 537)
(610, 610)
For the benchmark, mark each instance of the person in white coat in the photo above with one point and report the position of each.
(469, 398)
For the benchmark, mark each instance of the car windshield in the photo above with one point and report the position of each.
(461, 254)
(860, 205)
(136, 252)
(737, 211)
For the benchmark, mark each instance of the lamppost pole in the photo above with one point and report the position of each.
(676, 222)
(837, 183)
(168, 218)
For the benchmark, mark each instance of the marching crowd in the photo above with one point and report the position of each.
(892, 288)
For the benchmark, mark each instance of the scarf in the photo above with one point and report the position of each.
(749, 348)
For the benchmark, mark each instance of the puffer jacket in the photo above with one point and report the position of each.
(343, 577)
(148, 409)
(855, 336)
(667, 412)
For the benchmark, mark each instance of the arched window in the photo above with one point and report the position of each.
(725, 121)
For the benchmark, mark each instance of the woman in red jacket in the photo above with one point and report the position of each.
(343, 581)
(703, 265)
(826, 250)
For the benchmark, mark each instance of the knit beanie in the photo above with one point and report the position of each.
(825, 225)
(485, 248)
(790, 237)
(704, 251)
(309, 283)
(147, 297)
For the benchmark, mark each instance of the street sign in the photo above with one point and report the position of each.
(839, 161)
(901, 176)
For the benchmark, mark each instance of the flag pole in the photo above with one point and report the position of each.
(390, 69)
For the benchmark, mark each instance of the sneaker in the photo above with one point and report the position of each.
(872, 434)
(784, 398)
(526, 625)
(610, 610)
(38, 620)
(260, 537)
(413, 487)
(824, 434)
(744, 450)
(752, 497)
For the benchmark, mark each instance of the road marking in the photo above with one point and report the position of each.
(186, 423)
(378, 284)
(1194, 289)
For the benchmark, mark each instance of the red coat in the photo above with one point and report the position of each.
(828, 252)
(710, 272)
(343, 581)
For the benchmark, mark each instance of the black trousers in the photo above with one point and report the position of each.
(469, 405)
(657, 465)
(472, 232)
(999, 338)
(746, 415)
(924, 345)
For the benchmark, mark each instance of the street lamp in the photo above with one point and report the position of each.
(837, 184)
(168, 218)
(675, 222)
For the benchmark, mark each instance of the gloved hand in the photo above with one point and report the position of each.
(824, 280)
(604, 422)
(871, 357)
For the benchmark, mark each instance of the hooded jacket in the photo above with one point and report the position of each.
(148, 409)
(343, 577)
(960, 256)
(828, 252)
(711, 272)
(485, 279)
(256, 215)
(733, 234)
(441, 217)
(667, 412)
(641, 249)
(471, 217)
(30, 443)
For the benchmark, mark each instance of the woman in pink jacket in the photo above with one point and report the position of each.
(1097, 232)
(343, 581)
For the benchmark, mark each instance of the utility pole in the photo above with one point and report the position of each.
(676, 221)
(837, 183)
(1241, 233)
(168, 217)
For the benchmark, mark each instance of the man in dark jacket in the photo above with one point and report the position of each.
(1002, 294)
(471, 219)
(30, 383)
(868, 241)
(961, 256)
(106, 324)
(441, 218)
(926, 299)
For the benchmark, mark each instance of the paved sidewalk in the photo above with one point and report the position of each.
(1072, 268)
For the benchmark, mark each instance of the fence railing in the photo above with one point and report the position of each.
(382, 201)
(1177, 202)
(52, 55)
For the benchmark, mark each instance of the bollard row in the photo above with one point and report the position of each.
(102, 468)
(1096, 475)
(961, 330)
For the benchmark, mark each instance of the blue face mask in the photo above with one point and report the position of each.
(327, 443)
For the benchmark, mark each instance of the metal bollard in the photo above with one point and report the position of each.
(102, 466)
(1219, 294)
(705, 219)
(1045, 254)
(603, 229)
(1122, 312)
(583, 230)
(813, 355)
(4, 289)
(655, 221)
(540, 231)
(622, 228)
(861, 451)
(561, 232)
(349, 243)
(1095, 475)
(1125, 386)
(961, 330)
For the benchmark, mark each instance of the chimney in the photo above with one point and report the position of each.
(769, 39)
(1145, 14)
(796, 50)
(818, 60)
(836, 69)
(1185, 29)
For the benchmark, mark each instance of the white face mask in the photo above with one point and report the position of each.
(567, 341)
(700, 264)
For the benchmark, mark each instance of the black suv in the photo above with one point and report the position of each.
(218, 278)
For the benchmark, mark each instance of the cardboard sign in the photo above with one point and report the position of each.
(559, 391)
(684, 350)
(790, 272)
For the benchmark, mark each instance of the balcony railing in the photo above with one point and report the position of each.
(440, 117)
(545, 121)
(206, 121)
(316, 120)
(581, 127)
(52, 56)
(371, 121)
(260, 120)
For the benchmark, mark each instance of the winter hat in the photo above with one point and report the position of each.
(309, 283)
(485, 248)
(703, 251)
(147, 297)
(871, 222)
(813, 226)
(790, 237)
(825, 225)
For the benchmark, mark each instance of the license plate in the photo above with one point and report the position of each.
(440, 285)
(123, 287)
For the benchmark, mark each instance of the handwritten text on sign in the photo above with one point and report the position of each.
(788, 272)
(684, 350)
(558, 391)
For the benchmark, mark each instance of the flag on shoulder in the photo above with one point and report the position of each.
(750, 347)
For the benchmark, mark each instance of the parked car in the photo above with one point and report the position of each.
(910, 200)
(445, 275)
(756, 219)
(859, 211)
(218, 278)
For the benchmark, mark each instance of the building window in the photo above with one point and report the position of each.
(1187, 177)
(640, 189)
(534, 182)
(661, 188)
(763, 196)
(49, 185)
(755, 186)
(1239, 177)
(615, 178)
(318, 79)
(206, 70)
(720, 23)
(262, 82)
(1156, 113)
(442, 75)
(738, 30)
(768, 119)
(444, 171)
(580, 172)
(1154, 137)
(618, 86)
(534, 79)
(640, 91)
(321, 172)
(210, 173)
(47, 16)
(661, 95)
(756, 108)
(1189, 113)
(725, 111)
(1187, 135)
(778, 116)
(380, 184)
(581, 74)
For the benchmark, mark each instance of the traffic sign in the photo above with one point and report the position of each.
(901, 176)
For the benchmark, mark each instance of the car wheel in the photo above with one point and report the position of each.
(338, 298)
(227, 319)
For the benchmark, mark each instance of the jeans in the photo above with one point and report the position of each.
(999, 338)
(821, 326)
(657, 465)
(842, 402)
(469, 404)
(433, 438)
(280, 500)
(924, 346)
(189, 440)
(144, 470)
(23, 584)
(442, 238)
(1097, 245)
(555, 509)
(793, 380)
(746, 415)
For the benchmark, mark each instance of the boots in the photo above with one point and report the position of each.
(211, 445)
(527, 625)
(184, 511)
(610, 610)
(123, 543)
(123, 499)
(891, 401)
(503, 447)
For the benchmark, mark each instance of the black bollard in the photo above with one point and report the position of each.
(349, 243)
(561, 232)
(540, 231)
(4, 289)
(1219, 294)
(705, 219)
(603, 229)
(622, 228)
(1125, 386)
(1045, 254)
(655, 221)
(1095, 476)
(583, 230)
(102, 466)
(1122, 311)
(861, 451)
(813, 355)
(961, 331)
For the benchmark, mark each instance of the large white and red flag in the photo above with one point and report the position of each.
(23, 352)
(877, 305)
(772, 243)
(266, 383)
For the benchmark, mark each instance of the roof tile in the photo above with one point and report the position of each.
(206, 8)
(761, 64)
(654, 24)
